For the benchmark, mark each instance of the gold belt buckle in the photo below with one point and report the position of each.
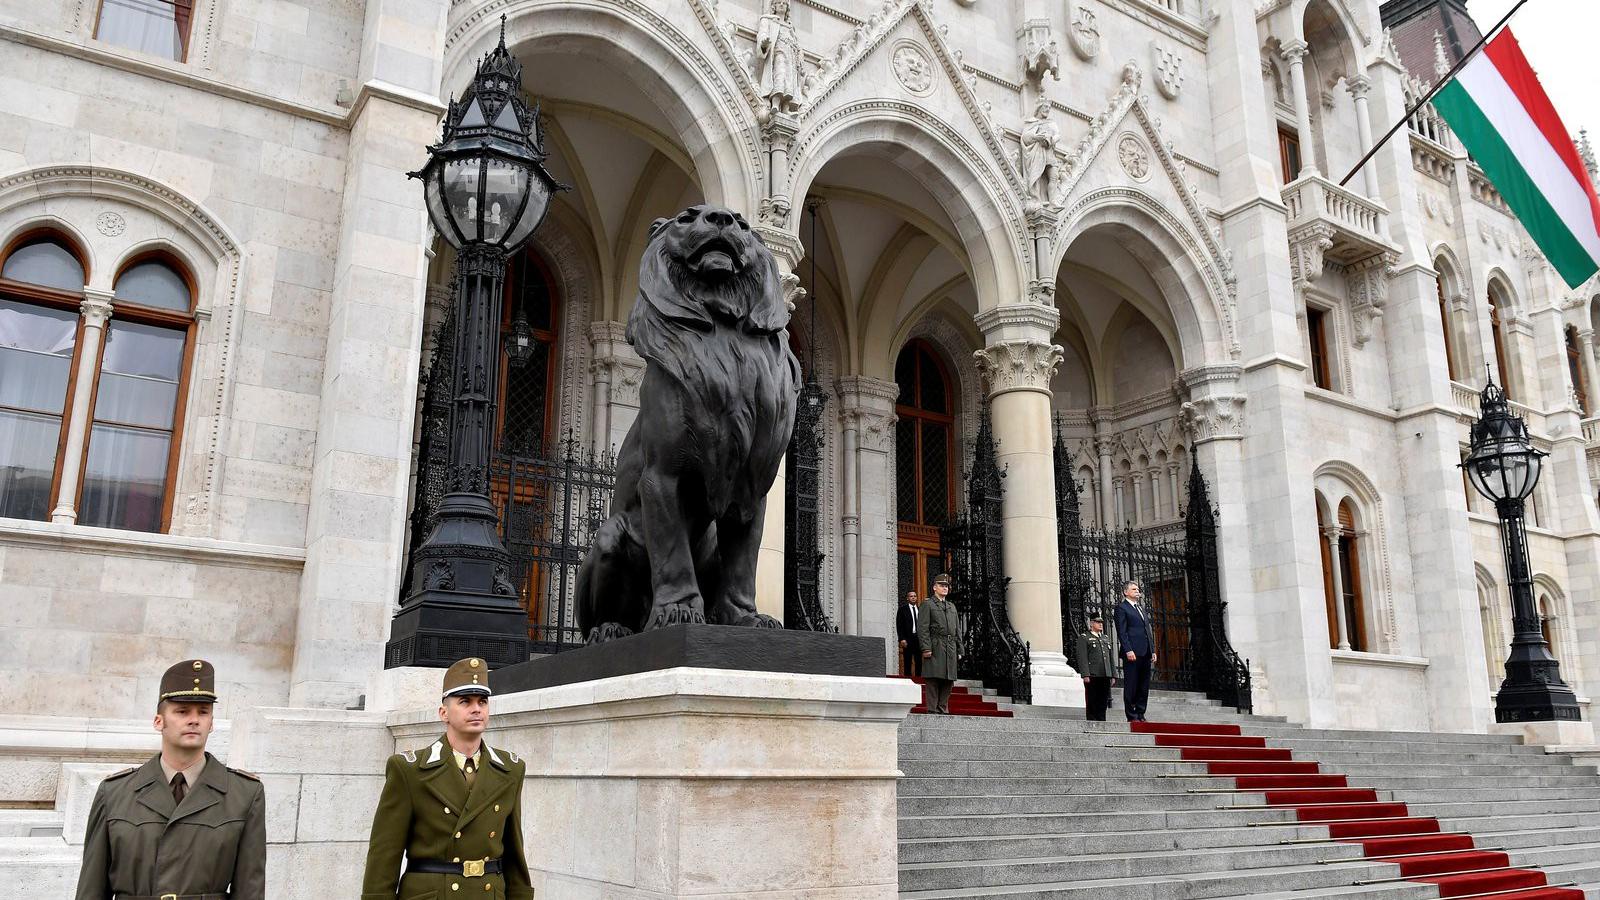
(169, 897)
(473, 868)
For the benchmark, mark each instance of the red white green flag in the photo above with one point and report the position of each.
(1497, 108)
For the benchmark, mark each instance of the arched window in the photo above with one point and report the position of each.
(1580, 385)
(1494, 650)
(1341, 578)
(1547, 624)
(924, 461)
(1497, 316)
(91, 392)
(1444, 322)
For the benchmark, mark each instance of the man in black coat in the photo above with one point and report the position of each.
(1138, 648)
(905, 625)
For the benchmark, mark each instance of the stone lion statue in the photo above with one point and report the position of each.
(716, 409)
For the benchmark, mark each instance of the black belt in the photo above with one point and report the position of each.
(173, 897)
(472, 868)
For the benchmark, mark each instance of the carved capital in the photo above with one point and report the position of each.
(874, 428)
(787, 251)
(1294, 51)
(96, 307)
(1018, 365)
(1359, 87)
(1213, 418)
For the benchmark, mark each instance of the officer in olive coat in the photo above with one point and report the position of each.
(939, 632)
(453, 808)
(1097, 663)
(183, 825)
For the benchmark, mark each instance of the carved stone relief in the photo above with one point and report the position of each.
(913, 68)
(1168, 70)
(1133, 155)
(1084, 33)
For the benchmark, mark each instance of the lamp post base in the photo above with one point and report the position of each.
(437, 628)
(1532, 701)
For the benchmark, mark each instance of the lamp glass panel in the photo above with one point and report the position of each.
(461, 178)
(438, 208)
(538, 201)
(504, 184)
(1515, 472)
(1485, 477)
(1535, 467)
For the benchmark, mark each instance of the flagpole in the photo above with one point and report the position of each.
(1467, 57)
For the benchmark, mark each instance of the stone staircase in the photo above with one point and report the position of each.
(1047, 805)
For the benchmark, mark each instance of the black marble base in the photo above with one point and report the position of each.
(701, 646)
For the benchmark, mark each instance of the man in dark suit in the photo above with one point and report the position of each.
(905, 625)
(1138, 648)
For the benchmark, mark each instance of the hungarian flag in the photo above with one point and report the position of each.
(1505, 120)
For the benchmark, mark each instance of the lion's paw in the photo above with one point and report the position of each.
(676, 614)
(609, 631)
(759, 620)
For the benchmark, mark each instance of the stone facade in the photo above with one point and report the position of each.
(1156, 283)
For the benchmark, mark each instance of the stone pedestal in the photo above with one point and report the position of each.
(1055, 682)
(1549, 734)
(697, 782)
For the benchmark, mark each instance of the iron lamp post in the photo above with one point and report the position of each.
(486, 190)
(1504, 466)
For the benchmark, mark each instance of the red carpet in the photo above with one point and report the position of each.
(963, 703)
(1385, 829)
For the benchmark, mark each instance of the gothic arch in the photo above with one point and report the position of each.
(952, 170)
(712, 117)
(115, 214)
(1337, 482)
(1546, 588)
(1196, 295)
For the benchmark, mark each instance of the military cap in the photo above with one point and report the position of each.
(191, 681)
(1097, 619)
(943, 579)
(467, 676)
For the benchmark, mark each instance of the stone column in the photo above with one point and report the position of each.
(786, 252)
(1102, 449)
(1119, 505)
(1176, 494)
(1138, 498)
(361, 468)
(1360, 86)
(1586, 359)
(1017, 364)
(618, 372)
(96, 309)
(867, 408)
(1295, 52)
(1330, 534)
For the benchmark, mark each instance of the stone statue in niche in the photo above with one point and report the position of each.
(1040, 163)
(716, 409)
(778, 52)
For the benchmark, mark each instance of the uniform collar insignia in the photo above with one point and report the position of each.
(434, 753)
(493, 757)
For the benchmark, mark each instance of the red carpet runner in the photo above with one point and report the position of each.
(1386, 831)
(963, 703)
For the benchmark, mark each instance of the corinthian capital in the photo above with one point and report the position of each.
(1294, 50)
(1018, 365)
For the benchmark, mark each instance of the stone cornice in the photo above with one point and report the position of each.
(1014, 317)
(112, 542)
(866, 393)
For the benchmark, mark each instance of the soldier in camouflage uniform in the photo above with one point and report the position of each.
(452, 809)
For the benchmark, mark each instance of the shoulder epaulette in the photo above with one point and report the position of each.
(123, 774)
(250, 775)
(409, 756)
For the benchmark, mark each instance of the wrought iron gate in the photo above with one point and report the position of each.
(802, 552)
(1179, 577)
(992, 651)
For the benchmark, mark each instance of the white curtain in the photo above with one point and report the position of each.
(155, 27)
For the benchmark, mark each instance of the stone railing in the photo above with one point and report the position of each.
(1360, 226)
(1591, 432)
(1468, 407)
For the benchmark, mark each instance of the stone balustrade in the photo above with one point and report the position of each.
(1359, 225)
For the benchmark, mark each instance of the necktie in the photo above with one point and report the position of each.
(471, 771)
(180, 787)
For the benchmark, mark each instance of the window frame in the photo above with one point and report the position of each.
(1574, 353)
(1289, 139)
(123, 310)
(1320, 347)
(1496, 330)
(185, 29)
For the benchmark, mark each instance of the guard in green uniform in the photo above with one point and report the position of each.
(1097, 663)
(452, 809)
(183, 826)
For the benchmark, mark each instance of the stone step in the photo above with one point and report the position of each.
(1249, 883)
(1017, 845)
(1178, 825)
(987, 804)
(1152, 864)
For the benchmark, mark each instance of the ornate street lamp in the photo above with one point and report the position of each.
(1504, 466)
(487, 190)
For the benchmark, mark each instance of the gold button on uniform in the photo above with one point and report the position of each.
(488, 887)
(455, 859)
(455, 887)
(447, 810)
(458, 835)
(491, 834)
(497, 807)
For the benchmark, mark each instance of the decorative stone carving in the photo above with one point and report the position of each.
(1307, 244)
(110, 224)
(789, 283)
(1018, 365)
(1168, 67)
(1213, 418)
(913, 69)
(1039, 53)
(1134, 157)
(1368, 286)
(1040, 167)
(1084, 33)
(777, 56)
